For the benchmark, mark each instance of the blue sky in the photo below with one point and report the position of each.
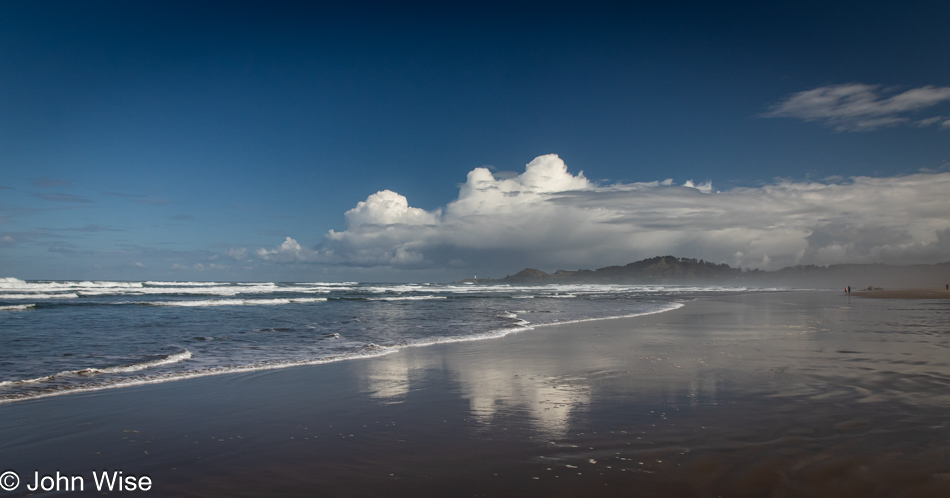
(225, 140)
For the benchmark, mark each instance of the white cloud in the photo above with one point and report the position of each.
(860, 107)
(702, 187)
(288, 252)
(549, 218)
(387, 208)
(238, 253)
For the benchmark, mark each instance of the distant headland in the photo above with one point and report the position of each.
(671, 270)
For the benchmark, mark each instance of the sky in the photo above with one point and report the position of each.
(415, 141)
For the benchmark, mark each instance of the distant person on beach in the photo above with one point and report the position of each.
(848, 289)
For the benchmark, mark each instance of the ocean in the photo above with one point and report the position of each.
(65, 336)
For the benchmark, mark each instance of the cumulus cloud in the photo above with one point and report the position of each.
(550, 218)
(861, 107)
(388, 208)
(289, 251)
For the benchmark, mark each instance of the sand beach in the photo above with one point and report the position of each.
(748, 394)
(905, 294)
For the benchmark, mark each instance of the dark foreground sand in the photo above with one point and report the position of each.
(768, 394)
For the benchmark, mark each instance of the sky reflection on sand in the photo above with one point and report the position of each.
(809, 347)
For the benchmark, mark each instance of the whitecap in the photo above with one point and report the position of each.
(405, 298)
(17, 307)
(239, 302)
(67, 295)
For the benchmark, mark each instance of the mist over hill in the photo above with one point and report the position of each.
(673, 270)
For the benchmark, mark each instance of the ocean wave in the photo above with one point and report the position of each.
(92, 379)
(134, 367)
(382, 289)
(328, 284)
(216, 290)
(491, 334)
(661, 309)
(212, 290)
(405, 298)
(367, 351)
(9, 283)
(153, 283)
(65, 295)
(18, 307)
(238, 302)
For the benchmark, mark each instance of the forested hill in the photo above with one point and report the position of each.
(674, 270)
(658, 269)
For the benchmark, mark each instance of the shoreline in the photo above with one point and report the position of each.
(741, 395)
(382, 351)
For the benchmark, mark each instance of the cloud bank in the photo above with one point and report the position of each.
(861, 107)
(550, 218)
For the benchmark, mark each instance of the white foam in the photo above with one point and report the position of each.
(239, 302)
(663, 309)
(405, 298)
(66, 295)
(524, 325)
(168, 360)
(52, 286)
(186, 284)
(370, 351)
(17, 307)
(135, 367)
(327, 284)
(208, 290)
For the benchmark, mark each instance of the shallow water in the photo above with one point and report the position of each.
(66, 336)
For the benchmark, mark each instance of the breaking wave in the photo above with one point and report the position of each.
(237, 302)
(86, 372)
(18, 307)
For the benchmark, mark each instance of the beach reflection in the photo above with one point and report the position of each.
(554, 381)
(388, 377)
(504, 388)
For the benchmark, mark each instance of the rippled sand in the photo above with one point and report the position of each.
(768, 394)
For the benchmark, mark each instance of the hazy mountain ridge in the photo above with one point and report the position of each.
(674, 270)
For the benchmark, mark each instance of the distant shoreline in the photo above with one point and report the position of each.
(905, 294)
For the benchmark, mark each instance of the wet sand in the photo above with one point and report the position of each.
(905, 294)
(767, 394)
